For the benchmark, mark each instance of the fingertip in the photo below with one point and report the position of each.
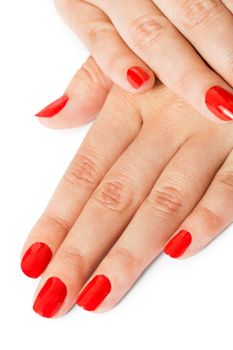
(137, 76)
(178, 244)
(82, 101)
(53, 108)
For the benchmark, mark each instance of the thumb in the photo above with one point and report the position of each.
(82, 100)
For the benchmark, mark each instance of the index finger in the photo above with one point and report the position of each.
(104, 143)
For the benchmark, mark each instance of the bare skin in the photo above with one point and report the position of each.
(185, 44)
(149, 167)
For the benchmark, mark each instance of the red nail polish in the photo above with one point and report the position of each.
(178, 244)
(220, 102)
(137, 76)
(53, 108)
(50, 298)
(36, 259)
(94, 293)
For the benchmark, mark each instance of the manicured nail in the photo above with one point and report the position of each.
(137, 76)
(94, 293)
(36, 259)
(178, 244)
(220, 102)
(53, 108)
(50, 298)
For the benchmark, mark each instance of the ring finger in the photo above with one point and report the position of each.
(171, 199)
(97, 32)
(199, 21)
(104, 217)
(153, 37)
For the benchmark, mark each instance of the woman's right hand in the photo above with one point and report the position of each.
(188, 44)
(150, 173)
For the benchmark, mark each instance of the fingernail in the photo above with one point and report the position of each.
(50, 298)
(220, 102)
(178, 244)
(53, 108)
(36, 259)
(137, 77)
(94, 293)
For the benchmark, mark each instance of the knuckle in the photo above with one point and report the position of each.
(165, 202)
(57, 222)
(82, 172)
(115, 195)
(90, 74)
(211, 219)
(225, 179)
(197, 13)
(185, 78)
(98, 33)
(125, 258)
(147, 30)
(72, 256)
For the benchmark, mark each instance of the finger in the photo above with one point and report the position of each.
(106, 214)
(114, 57)
(204, 22)
(162, 47)
(169, 202)
(213, 213)
(82, 100)
(228, 4)
(106, 140)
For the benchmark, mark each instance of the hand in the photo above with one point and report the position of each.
(188, 44)
(150, 173)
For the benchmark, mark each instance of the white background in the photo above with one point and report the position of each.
(175, 305)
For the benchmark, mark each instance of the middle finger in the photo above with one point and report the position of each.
(153, 37)
(177, 190)
(105, 216)
(208, 25)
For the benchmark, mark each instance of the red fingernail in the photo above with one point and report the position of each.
(53, 108)
(137, 76)
(94, 293)
(36, 259)
(50, 298)
(178, 244)
(220, 102)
